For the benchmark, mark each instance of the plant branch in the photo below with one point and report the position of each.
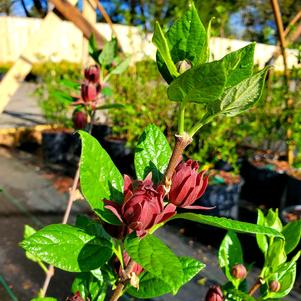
(182, 141)
(255, 287)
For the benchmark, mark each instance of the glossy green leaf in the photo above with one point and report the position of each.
(152, 154)
(108, 53)
(151, 286)
(292, 235)
(275, 254)
(237, 295)
(121, 67)
(272, 220)
(239, 65)
(229, 254)
(107, 91)
(205, 53)
(69, 248)
(163, 55)
(202, 84)
(261, 239)
(228, 224)
(99, 177)
(89, 287)
(186, 39)
(157, 259)
(244, 95)
(44, 299)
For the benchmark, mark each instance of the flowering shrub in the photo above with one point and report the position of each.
(118, 249)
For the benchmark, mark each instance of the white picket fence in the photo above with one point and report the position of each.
(65, 42)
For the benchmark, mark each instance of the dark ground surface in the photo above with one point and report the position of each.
(36, 196)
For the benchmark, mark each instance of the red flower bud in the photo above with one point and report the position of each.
(80, 120)
(187, 185)
(75, 297)
(89, 91)
(239, 271)
(214, 294)
(274, 286)
(92, 74)
(143, 205)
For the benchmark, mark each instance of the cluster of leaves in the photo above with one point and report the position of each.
(88, 249)
(277, 266)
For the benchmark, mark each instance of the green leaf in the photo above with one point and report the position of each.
(201, 84)
(44, 299)
(157, 259)
(108, 53)
(237, 295)
(275, 254)
(292, 235)
(244, 95)
(106, 91)
(70, 84)
(99, 177)
(151, 286)
(90, 287)
(120, 68)
(69, 248)
(261, 239)
(163, 54)
(272, 220)
(239, 65)
(229, 254)
(28, 231)
(152, 154)
(111, 106)
(228, 224)
(92, 45)
(205, 53)
(187, 38)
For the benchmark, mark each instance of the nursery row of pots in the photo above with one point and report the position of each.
(261, 184)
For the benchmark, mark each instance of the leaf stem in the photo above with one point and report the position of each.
(200, 124)
(181, 119)
(256, 286)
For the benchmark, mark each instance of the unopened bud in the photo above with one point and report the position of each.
(92, 74)
(239, 271)
(274, 286)
(214, 294)
(80, 120)
(89, 91)
(183, 66)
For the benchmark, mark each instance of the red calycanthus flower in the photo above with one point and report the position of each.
(187, 185)
(214, 294)
(80, 120)
(143, 205)
(92, 74)
(89, 91)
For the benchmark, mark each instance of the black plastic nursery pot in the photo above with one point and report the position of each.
(262, 186)
(60, 146)
(224, 197)
(293, 191)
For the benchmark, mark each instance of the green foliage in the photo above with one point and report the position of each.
(228, 224)
(230, 254)
(100, 179)
(69, 248)
(44, 299)
(152, 154)
(151, 286)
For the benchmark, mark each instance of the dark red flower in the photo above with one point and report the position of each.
(214, 294)
(89, 91)
(75, 297)
(80, 120)
(187, 185)
(143, 205)
(92, 74)
(239, 271)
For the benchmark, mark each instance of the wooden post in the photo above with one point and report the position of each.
(89, 12)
